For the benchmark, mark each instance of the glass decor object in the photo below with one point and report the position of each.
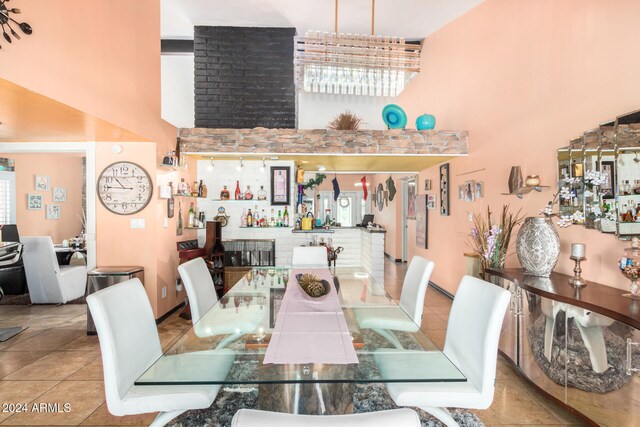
(248, 195)
(262, 195)
(629, 265)
(354, 64)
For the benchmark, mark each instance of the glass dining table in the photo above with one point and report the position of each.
(227, 346)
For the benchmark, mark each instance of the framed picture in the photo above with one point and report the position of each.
(444, 189)
(42, 183)
(59, 194)
(607, 167)
(280, 185)
(421, 221)
(411, 198)
(431, 201)
(34, 202)
(427, 185)
(479, 190)
(52, 212)
(469, 191)
(461, 192)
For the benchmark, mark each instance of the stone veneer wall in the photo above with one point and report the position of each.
(366, 142)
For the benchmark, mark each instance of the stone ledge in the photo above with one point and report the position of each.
(321, 141)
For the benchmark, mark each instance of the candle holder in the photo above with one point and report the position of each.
(577, 281)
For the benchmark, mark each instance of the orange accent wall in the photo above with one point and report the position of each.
(63, 170)
(524, 78)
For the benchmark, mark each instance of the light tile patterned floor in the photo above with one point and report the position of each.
(54, 361)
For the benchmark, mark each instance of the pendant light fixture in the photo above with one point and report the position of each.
(6, 20)
(354, 64)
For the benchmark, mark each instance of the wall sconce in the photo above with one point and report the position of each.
(240, 166)
(210, 166)
(264, 166)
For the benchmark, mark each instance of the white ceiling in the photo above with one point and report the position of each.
(413, 19)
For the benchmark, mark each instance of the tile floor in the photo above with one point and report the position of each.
(55, 362)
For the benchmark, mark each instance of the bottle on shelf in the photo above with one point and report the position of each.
(249, 219)
(224, 194)
(285, 217)
(248, 195)
(194, 189)
(256, 217)
(238, 192)
(204, 190)
(263, 219)
(279, 220)
(272, 219)
(243, 218)
(327, 219)
(192, 216)
(179, 222)
(200, 189)
(262, 195)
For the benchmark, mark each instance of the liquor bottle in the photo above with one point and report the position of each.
(224, 194)
(327, 220)
(272, 219)
(279, 220)
(263, 219)
(204, 190)
(262, 195)
(248, 195)
(249, 219)
(179, 223)
(285, 217)
(243, 218)
(238, 192)
(256, 217)
(194, 189)
(200, 189)
(192, 216)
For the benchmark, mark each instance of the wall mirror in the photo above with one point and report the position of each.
(599, 177)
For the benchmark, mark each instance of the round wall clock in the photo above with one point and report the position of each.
(124, 188)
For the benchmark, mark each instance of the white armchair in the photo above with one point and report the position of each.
(130, 344)
(471, 344)
(395, 417)
(48, 282)
(309, 256)
(384, 320)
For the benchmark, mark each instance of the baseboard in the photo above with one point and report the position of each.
(392, 258)
(169, 313)
(441, 290)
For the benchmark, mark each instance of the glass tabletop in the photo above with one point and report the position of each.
(227, 345)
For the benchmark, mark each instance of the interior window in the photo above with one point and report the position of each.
(7, 197)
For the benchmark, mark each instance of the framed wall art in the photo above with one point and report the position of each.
(469, 191)
(52, 212)
(431, 201)
(280, 185)
(59, 194)
(34, 202)
(444, 189)
(42, 183)
(422, 221)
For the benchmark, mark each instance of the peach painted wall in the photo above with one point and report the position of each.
(63, 170)
(76, 56)
(524, 78)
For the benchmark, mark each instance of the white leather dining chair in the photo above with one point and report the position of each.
(395, 417)
(202, 297)
(130, 344)
(48, 282)
(383, 320)
(199, 285)
(309, 256)
(471, 345)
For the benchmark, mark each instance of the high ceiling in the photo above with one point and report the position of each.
(414, 19)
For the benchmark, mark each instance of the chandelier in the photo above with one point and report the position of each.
(6, 19)
(354, 64)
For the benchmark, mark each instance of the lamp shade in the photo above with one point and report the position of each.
(394, 116)
(425, 122)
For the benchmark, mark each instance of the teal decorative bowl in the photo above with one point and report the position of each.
(425, 122)
(394, 116)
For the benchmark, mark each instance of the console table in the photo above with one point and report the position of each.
(578, 346)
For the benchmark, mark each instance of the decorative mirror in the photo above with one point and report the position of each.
(380, 197)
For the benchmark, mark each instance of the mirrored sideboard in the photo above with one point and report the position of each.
(579, 346)
(599, 177)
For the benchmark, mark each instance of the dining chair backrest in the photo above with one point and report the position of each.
(404, 417)
(473, 332)
(129, 340)
(414, 287)
(199, 285)
(309, 256)
(41, 267)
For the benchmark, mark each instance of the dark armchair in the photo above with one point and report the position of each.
(12, 278)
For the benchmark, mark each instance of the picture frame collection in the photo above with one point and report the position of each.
(36, 202)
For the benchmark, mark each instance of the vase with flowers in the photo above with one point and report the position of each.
(490, 240)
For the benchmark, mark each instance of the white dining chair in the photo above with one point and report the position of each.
(395, 417)
(48, 282)
(130, 344)
(471, 345)
(384, 320)
(202, 297)
(309, 256)
(199, 285)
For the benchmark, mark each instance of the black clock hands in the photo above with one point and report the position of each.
(122, 186)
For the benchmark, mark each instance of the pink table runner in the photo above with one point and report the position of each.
(309, 331)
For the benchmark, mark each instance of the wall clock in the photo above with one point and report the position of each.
(124, 188)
